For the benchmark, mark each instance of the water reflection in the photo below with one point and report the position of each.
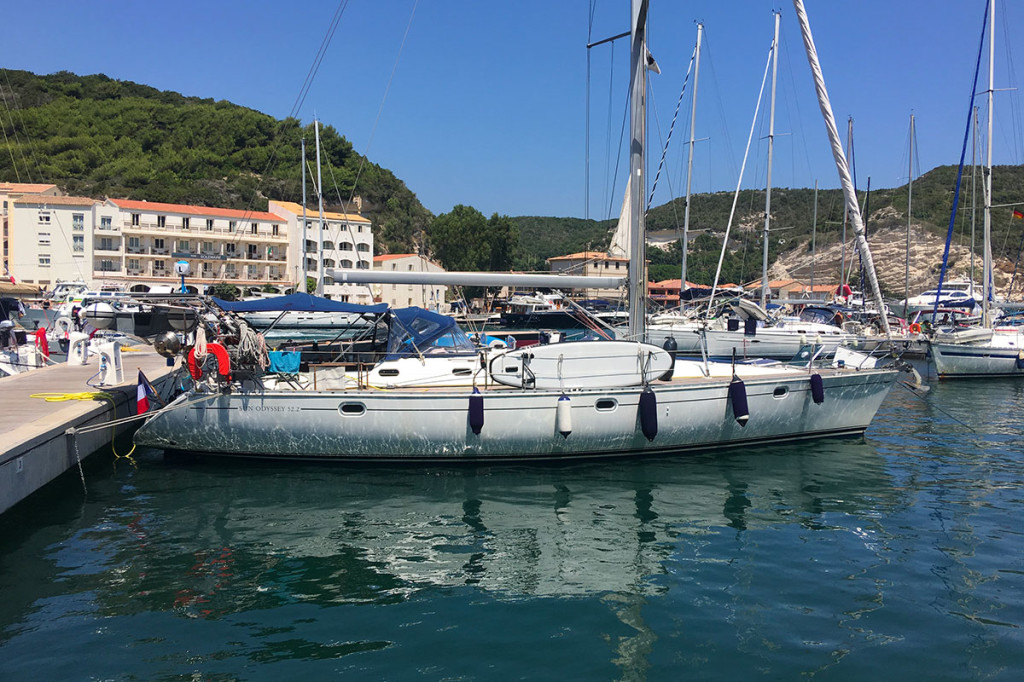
(830, 549)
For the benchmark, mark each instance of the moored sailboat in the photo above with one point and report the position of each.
(560, 408)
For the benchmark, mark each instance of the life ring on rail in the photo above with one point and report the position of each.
(219, 352)
(915, 328)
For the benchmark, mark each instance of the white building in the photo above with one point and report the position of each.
(347, 245)
(431, 297)
(134, 244)
(9, 191)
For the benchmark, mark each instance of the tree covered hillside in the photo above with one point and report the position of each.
(95, 136)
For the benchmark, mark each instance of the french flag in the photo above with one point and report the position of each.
(143, 393)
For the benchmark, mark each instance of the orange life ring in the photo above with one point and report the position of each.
(915, 328)
(219, 352)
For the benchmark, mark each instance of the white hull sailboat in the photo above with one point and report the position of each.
(559, 411)
(984, 351)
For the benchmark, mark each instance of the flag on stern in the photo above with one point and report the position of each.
(143, 393)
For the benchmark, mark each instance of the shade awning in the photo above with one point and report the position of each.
(300, 302)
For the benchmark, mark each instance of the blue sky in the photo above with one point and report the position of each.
(488, 100)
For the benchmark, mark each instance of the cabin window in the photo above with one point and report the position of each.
(352, 409)
(780, 392)
(606, 404)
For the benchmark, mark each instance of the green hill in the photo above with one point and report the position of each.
(96, 136)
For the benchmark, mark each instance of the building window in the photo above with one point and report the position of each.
(134, 244)
(229, 249)
(158, 246)
(206, 269)
(159, 266)
(232, 225)
(107, 266)
(209, 223)
(44, 238)
(328, 262)
(275, 229)
(77, 222)
(345, 246)
(360, 228)
(182, 245)
(78, 243)
(106, 222)
(161, 221)
(207, 247)
(134, 265)
(186, 223)
(44, 261)
(44, 218)
(254, 228)
(135, 219)
(346, 264)
(617, 264)
(362, 265)
(229, 269)
(362, 248)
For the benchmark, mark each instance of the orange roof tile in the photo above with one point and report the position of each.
(27, 187)
(157, 207)
(296, 209)
(588, 255)
(392, 256)
(37, 200)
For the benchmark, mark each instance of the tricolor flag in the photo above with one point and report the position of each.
(143, 393)
(1016, 214)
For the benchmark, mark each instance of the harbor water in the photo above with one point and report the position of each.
(899, 555)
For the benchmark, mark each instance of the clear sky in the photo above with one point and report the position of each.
(487, 106)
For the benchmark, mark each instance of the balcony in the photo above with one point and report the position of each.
(135, 249)
(158, 252)
(108, 248)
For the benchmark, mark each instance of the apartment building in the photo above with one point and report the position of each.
(347, 245)
(10, 191)
(246, 248)
(134, 244)
(431, 297)
(591, 264)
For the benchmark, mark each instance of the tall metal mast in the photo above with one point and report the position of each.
(771, 147)
(986, 268)
(910, 203)
(637, 184)
(689, 163)
(320, 230)
(814, 235)
(302, 250)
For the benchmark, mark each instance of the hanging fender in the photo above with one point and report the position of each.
(738, 401)
(817, 389)
(216, 350)
(648, 408)
(476, 411)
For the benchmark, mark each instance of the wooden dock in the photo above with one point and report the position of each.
(36, 447)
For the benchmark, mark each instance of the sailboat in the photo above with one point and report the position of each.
(989, 350)
(561, 401)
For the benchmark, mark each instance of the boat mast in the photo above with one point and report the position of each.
(814, 235)
(986, 268)
(638, 93)
(302, 250)
(771, 148)
(689, 162)
(320, 230)
(974, 194)
(910, 196)
(842, 166)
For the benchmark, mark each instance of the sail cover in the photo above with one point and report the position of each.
(300, 302)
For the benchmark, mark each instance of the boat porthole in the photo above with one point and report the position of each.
(462, 371)
(352, 409)
(389, 372)
(606, 405)
(780, 392)
(512, 370)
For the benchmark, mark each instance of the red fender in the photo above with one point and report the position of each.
(219, 352)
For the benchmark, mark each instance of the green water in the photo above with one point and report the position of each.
(899, 555)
